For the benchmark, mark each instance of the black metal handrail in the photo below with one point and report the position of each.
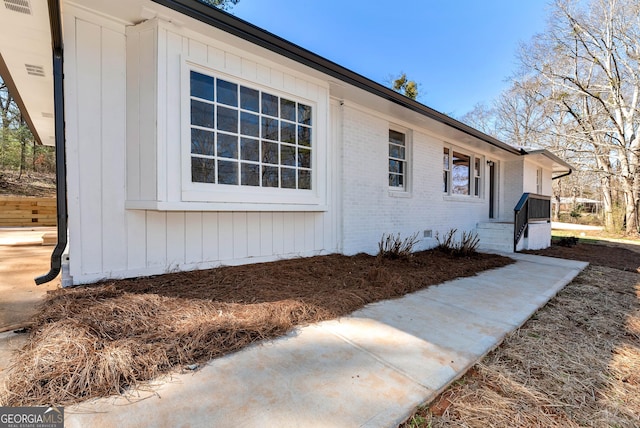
(530, 207)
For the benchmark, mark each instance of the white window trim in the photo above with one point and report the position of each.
(405, 190)
(471, 197)
(234, 197)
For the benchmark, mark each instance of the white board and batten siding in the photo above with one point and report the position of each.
(118, 155)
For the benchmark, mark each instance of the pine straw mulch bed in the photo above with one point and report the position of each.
(610, 255)
(576, 362)
(105, 339)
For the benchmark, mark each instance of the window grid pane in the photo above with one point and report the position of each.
(245, 137)
(397, 159)
(476, 176)
(445, 170)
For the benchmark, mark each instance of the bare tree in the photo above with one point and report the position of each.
(483, 118)
(590, 58)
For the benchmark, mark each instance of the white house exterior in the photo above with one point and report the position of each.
(194, 139)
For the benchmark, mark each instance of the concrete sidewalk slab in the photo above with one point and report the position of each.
(22, 259)
(24, 235)
(370, 369)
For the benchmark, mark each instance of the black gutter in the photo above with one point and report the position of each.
(247, 31)
(55, 20)
(562, 175)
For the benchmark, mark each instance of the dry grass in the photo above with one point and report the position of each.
(102, 340)
(575, 363)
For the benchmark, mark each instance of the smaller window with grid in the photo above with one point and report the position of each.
(446, 170)
(476, 177)
(397, 160)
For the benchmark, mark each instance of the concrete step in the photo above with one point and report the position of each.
(494, 225)
(493, 246)
(495, 236)
(50, 238)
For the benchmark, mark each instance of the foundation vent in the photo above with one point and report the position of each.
(35, 70)
(20, 6)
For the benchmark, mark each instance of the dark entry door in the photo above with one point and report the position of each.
(492, 189)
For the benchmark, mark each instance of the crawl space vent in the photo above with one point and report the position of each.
(20, 6)
(35, 70)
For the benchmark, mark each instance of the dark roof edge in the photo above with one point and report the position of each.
(55, 21)
(267, 40)
(13, 90)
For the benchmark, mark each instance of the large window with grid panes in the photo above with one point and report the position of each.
(247, 137)
(462, 172)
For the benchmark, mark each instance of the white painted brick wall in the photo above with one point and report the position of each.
(539, 236)
(371, 209)
(513, 185)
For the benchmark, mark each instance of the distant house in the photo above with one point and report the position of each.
(586, 205)
(195, 139)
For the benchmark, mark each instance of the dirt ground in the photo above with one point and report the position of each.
(576, 362)
(31, 183)
(103, 339)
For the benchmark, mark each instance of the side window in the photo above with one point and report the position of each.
(476, 177)
(539, 181)
(397, 160)
(446, 170)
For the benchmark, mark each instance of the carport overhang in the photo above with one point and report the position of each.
(25, 63)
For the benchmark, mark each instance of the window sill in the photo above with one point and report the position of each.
(221, 206)
(399, 193)
(465, 199)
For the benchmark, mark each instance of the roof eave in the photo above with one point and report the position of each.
(564, 167)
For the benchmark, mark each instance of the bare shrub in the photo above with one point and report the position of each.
(466, 246)
(394, 247)
(448, 241)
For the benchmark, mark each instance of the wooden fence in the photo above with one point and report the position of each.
(26, 211)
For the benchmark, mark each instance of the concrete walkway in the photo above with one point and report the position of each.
(572, 226)
(370, 369)
(22, 258)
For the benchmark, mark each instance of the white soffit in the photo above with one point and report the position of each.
(25, 47)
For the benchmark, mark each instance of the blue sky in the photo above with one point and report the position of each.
(459, 51)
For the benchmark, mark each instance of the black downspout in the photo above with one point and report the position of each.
(55, 20)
